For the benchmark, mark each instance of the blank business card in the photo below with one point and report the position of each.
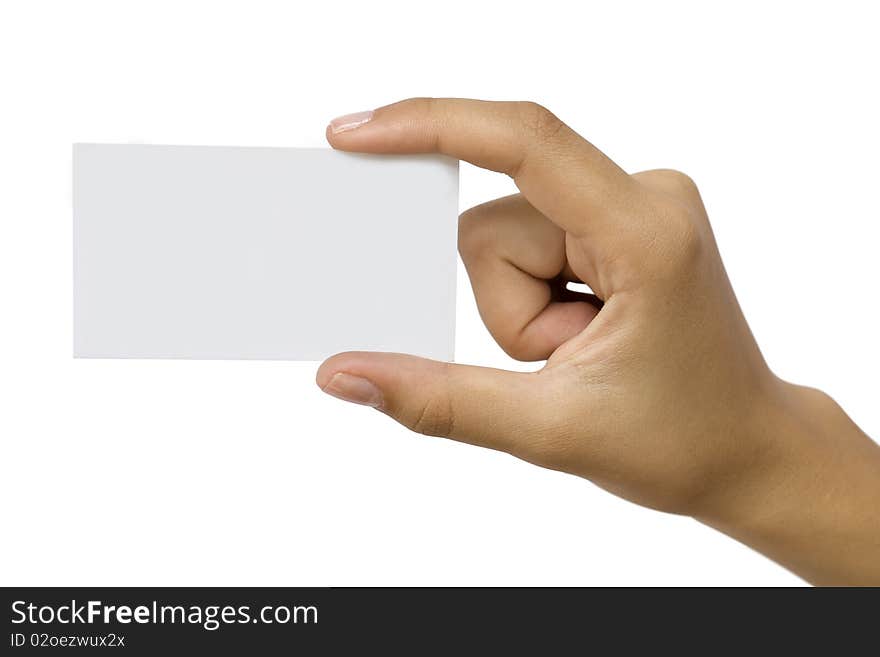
(261, 253)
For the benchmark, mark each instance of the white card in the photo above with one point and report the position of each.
(261, 253)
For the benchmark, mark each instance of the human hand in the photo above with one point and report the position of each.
(653, 389)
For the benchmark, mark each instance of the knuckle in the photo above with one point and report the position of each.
(680, 181)
(434, 416)
(680, 232)
(421, 102)
(541, 123)
(475, 233)
(519, 348)
(420, 105)
(513, 347)
(684, 237)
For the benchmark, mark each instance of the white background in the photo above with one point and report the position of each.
(186, 473)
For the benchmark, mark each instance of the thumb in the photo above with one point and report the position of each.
(478, 405)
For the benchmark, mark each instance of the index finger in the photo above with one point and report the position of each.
(562, 174)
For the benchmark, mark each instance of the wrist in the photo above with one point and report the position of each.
(809, 500)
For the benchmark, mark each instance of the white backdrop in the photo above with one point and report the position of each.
(187, 473)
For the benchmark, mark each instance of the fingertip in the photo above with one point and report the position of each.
(322, 376)
(344, 141)
(328, 135)
(358, 363)
(347, 123)
(328, 369)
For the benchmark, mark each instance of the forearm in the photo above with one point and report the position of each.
(814, 504)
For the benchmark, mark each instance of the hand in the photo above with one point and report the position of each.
(654, 388)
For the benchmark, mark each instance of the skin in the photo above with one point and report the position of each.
(654, 388)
